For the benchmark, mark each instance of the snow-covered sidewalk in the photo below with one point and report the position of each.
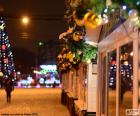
(33, 102)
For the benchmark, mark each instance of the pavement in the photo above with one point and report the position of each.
(33, 102)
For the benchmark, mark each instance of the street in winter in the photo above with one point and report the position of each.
(33, 102)
(70, 57)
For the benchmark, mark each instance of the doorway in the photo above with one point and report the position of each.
(116, 89)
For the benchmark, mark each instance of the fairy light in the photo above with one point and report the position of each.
(124, 7)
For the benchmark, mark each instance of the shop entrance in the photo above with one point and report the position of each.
(117, 79)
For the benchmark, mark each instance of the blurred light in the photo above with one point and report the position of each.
(131, 54)
(1, 74)
(2, 26)
(113, 10)
(105, 16)
(24, 82)
(105, 20)
(41, 80)
(40, 43)
(48, 67)
(124, 7)
(29, 79)
(25, 20)
(36, 72)
(91, 43)
(138, 2)
(88, 61)
(18, 73)
(125, 63)
(38, 86)
(105, 10)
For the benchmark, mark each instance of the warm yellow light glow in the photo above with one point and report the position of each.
(25, 20)
(1, 74)
(131, 54)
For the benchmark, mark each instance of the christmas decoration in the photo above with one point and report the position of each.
(66, 60)
(6, 56)
(83, 51)
(77, 36)
(91, 20)
(93, 13)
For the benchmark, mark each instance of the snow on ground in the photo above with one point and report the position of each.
(33, 102)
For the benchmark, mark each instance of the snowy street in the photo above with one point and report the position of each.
(33, 102)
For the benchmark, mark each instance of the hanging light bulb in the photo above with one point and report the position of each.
(133, 15)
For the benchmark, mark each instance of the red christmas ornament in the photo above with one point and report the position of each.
(3, 47)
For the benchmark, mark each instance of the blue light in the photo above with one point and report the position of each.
(3, 34)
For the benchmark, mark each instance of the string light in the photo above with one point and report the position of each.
(124, 7)
(106, 10)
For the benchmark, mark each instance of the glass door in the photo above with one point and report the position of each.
(126, 78)
(111, 83)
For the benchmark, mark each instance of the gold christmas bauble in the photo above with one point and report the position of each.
(91, 20)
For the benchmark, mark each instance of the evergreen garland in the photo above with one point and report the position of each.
(82, 50)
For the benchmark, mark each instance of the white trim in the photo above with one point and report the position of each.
(135, 74)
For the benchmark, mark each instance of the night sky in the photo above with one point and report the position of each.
(46, 23)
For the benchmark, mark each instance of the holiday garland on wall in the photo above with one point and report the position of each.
(66, 60)
(83, 51)
(93, 13)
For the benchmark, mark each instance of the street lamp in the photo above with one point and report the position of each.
(25, 20)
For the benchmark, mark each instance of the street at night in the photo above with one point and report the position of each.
(34, 102)
(70, 57)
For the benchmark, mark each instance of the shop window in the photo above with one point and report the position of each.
(126, 78)
(111, 82)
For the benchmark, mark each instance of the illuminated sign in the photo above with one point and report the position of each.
(48, 68)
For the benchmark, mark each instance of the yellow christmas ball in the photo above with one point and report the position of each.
(87, 16)
(91, 20)
(98, 20)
